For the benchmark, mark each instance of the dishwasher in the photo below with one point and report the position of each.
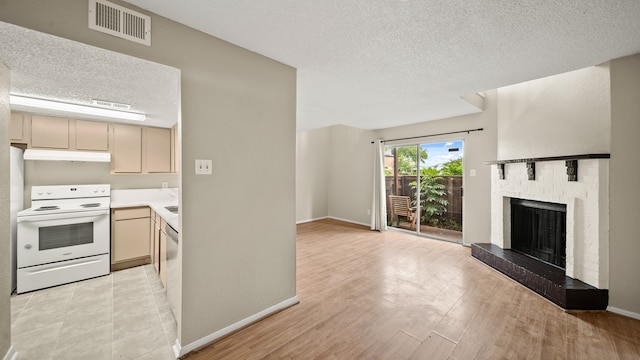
(174, 270)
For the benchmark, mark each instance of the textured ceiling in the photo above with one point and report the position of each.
(380, 63)
(50, 67)
(364, 63)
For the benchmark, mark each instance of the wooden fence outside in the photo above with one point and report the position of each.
(453, 186)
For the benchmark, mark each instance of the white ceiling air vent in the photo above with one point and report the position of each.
(111, 104)
(119, 21)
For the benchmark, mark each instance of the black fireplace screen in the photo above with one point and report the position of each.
(539, 229)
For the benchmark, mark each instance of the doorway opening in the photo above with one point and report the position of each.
(423, 185)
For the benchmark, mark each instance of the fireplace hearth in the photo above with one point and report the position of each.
(546, 280)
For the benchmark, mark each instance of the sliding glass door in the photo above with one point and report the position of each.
(424, 188)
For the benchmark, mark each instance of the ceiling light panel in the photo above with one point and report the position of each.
(74, 108)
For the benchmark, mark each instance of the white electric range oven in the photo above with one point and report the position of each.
(64, 236)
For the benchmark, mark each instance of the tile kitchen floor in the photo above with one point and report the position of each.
(124, 315)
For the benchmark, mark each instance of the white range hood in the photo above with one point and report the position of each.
(62, 155)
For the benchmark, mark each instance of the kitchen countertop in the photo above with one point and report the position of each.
(156, 199)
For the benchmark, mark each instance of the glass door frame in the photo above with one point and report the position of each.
(418, 192)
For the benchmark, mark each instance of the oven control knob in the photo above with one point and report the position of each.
(28, 246)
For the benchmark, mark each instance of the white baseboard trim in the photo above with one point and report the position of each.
(182, 351)
(333, 218)
(310, 220)
(349, 221)
(11, 354)
(176, 349)
(626, 313)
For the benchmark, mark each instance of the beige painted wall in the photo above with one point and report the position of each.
(351, 171)
(238, 225)
(565, 114)
(312, 174)
(624, 172)
(5, 230)
(478, 148)
(67, 172)
(350, 174)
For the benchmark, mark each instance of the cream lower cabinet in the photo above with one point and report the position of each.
(158, 246)
(130, 234)
(155, 240)
(163, 253)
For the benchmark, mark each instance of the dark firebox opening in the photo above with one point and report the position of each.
(539, 229)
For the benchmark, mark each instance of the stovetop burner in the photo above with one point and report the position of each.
(47, 208)
(54, 200)
(91, 205)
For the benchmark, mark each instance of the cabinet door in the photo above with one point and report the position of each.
(152, 228)
(16, 130)
(92, 135)
(155, 241)
(49, 132)
(158, 150)
(127, 149)
(163, 257)
(175, 150)
(131, 239)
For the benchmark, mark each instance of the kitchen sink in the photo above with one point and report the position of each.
(173, 209)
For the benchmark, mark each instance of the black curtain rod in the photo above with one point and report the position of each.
(424, 136)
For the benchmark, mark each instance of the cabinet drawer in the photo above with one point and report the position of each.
(131, 213)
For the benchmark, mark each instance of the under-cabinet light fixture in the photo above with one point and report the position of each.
(74, 108)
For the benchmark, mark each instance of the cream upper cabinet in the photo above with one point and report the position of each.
(127, 149)
(92, 135)
(157, 150)
(49, 132)
(175, 150)
(17, 132)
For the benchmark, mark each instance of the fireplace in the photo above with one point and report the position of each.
(550, 227)
(539, 229)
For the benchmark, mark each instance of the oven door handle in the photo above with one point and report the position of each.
(70, 215)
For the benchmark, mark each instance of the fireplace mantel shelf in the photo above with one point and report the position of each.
(571, 162)
(551, 158)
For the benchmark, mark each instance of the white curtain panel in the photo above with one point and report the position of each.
(379, 202)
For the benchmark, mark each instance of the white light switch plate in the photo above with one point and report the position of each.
(472, 172)
(203, 167)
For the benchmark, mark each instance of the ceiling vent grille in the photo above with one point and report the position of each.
(111, 104)
(119, 21)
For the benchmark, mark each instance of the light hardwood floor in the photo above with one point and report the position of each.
(370, 295)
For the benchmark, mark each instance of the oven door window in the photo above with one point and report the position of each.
(61, 236)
